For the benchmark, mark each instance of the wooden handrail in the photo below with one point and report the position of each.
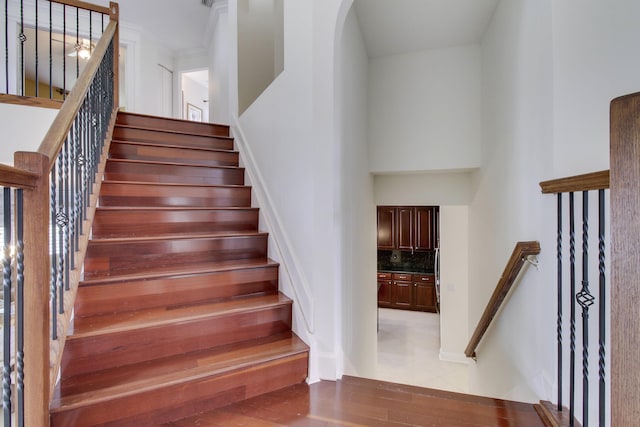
(17, 178)
(84, 5)
(585, 182)
(511, 271)
(53, 140)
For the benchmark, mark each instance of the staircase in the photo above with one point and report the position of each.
(179, 310)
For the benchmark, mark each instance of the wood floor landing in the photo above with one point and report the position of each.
(361, 402)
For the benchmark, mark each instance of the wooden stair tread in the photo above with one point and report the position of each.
(119, 322)
(172, 184)
(174, 208)
(181, 236)
(110, 383)
(124, 116)
(173, 131)
(179, 147)
(191, 269)
(167, 163)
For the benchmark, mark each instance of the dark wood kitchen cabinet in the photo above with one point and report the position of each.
(406, 291)
(407, 228)
(401, 291)
(424, 293)
(384, 290)
(387, 235)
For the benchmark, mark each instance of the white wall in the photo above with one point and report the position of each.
(357, 208)
(595, 47)
(23, 129)
(454, 282)
(423, 189)
(289, 138)
(219, 55)
(425, 110)
(515, 360)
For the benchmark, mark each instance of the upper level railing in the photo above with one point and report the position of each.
(45, 47)
(519, 256)
(575, 293)
(49, 199)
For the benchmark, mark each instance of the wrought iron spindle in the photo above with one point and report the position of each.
(67, 214)
(585, 299)
(23, 38)
(61, 222)
(78, 45)
(572, 327)
(54, 262)
(602, 311)
(20, 305)
(64, 51)
(6, 287)
(36, 59)
(50, 50)
(6, 45)
(559, 289)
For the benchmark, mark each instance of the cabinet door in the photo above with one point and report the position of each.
(406, 226)
(401, 295)
(424, 229)
(384, 293)
(424, 296)
(386, 227)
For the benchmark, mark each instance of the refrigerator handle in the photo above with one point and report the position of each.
(437, 274)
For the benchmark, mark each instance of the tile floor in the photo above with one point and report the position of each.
(408, 350)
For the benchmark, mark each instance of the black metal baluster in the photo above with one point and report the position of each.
(68, 213)
(602, 311)
(78, 45)
(585, 299)
(61, 222)
(36, 64)
(20, 304)
(6, 45)
(559, 286)
(54, 262)
(23, 38)
(6, 287)
(64, 51)
(50, 50)
(71, 142)
(572, 328)
(90, 32)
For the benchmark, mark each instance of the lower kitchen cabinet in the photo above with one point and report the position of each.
(407, 291)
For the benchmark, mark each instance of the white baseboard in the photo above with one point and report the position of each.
(446, 356)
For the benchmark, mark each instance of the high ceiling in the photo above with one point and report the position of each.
(177, 24)
(400, 26)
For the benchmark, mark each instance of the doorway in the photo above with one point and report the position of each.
(195, 95)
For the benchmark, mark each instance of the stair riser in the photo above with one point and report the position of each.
(108, 223)
(144, 294)
(180, 400)
(105, 351)
(118, 170)
(125, 194)
(110, 259)
(153, 153)
(169, 138)
(172, 125)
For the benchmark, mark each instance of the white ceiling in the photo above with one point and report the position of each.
(400, 26)
(177, 24)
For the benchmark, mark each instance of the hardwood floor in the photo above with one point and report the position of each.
(362, 402)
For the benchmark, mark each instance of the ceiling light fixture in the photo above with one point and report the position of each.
(207, 3)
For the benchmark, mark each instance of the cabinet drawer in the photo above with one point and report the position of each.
(424, 278)
(402, 276)
(384, 276)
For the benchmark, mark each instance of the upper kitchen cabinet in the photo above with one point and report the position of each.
(387, 235)
(407, 228)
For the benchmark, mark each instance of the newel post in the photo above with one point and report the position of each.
(36, 290)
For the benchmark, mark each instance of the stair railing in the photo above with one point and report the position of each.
(519, 256)
(45, 47)
(575, 296)
(49, 199)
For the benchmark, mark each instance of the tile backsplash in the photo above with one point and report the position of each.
(417, 262)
